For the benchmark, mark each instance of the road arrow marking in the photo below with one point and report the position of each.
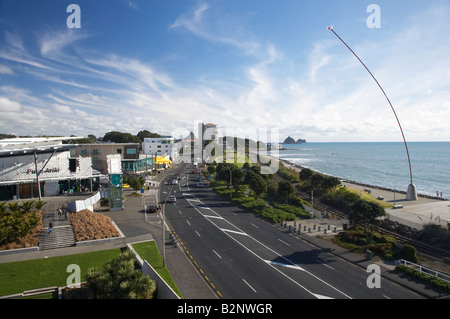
(284, 265)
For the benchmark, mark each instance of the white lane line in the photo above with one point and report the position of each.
(254, 225)
(321, 262)
(180, 212)
(198, 234)
(188, 222)
(284, 242)
(233, 231)
(217, 254)
(249, 286)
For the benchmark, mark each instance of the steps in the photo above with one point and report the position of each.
(62, 235)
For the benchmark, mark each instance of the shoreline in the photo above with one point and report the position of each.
(291, 165)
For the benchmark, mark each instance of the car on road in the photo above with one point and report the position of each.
(172, 199)
(174, 181)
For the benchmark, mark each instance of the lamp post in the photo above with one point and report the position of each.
(411, 192)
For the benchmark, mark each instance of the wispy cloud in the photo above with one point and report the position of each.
(196, 24)
(51, 42)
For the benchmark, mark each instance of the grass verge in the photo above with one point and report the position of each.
(16, 277)
(149, 251)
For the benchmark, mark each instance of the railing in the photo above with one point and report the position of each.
(425, 270)
(76, 206)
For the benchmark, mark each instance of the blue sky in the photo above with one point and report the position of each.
(164, 65)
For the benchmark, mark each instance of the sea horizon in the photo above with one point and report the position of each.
(382, 164)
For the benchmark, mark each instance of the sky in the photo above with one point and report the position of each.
(245, 65)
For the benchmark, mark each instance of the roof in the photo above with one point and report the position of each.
(27, 146)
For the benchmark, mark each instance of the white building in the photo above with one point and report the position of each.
(160, 146)
(35, 167)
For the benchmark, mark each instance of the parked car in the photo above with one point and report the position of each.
(200, 185)
(174, 181)
(172, 199)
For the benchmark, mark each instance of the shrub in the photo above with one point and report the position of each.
(409, 253)
(435, 281)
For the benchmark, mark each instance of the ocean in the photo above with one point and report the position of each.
(382, 164)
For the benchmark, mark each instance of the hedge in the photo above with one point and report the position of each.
(435, 281)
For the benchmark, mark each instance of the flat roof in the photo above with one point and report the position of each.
(38, 150)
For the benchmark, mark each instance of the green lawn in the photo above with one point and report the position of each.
(149, 251)
(19, 276)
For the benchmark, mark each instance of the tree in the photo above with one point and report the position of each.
(285, 189)
(119, 280)
(256, 183)
(146, 134)
(365, 213)
(119, 137)
(330, 182)
(305, 174)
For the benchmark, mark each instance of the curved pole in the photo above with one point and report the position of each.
(401, 130)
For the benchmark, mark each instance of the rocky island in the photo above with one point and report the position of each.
(290, 140)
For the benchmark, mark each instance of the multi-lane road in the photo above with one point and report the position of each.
(242, 256)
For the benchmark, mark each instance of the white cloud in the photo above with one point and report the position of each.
(5, 70)
(6, 105)
(52, 42)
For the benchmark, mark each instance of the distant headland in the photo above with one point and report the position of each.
(290, 140)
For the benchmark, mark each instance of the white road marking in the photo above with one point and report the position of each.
(233, 231)
(217, 254)
(249, 285)
(284, 265)
(284, 242)
(321, 262)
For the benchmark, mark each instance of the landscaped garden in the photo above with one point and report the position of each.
(88, 225)
(20, 224)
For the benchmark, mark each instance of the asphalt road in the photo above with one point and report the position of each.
(244, 257)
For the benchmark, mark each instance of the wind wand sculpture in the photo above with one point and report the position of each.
(411, 193)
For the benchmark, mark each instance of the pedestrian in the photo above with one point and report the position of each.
(50, 227)
(59, 212)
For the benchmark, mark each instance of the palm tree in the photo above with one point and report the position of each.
(119, 280)
(39, 204)
(144, 286)
(27, 206)
(2, 209)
